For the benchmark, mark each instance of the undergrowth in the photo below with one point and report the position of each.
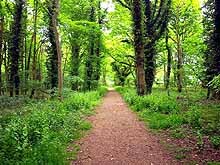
(174, 112)
(42, 135)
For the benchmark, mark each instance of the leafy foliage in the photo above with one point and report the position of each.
(215, 83)
(160, 111)
(41, 136)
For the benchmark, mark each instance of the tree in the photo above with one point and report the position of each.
(15, 47)
(156, 20)
(56, 55)
(92, 65)
(169, 62)
(138, 41)
(1, 46)
(91, 55)
(122, 71)
(212, 27)
(139, 45)
(185, 31)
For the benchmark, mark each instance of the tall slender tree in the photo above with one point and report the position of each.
(15, 47)
(55, 59)
(89, 70)
(1, 48)
(169, 61)
(212, 38)
(156, 20)
(139, 45)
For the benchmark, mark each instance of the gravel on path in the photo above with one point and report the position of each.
(119, 138)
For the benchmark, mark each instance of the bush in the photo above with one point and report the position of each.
(156, 103)
(215, 140)
(12, 102)
(193, 117)
(41, 136)
(161, 121)
(159, 110)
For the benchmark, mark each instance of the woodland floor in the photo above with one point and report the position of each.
(119, 138)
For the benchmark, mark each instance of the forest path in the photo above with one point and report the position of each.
(119, 138)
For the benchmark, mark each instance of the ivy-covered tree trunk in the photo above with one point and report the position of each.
(97, 67)
(156, 19)
(212, 55)
(75, 64)
(6, 63)
(1, 50)
(169, 65)
(139, 46)
(216, 46)
(55, 56)
(97, 71)
(15, 48)
(150, 67)
(52, 63)
(89, 66)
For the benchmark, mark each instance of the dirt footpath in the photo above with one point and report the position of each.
(119, 138)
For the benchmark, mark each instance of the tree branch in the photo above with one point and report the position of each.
(124, 4)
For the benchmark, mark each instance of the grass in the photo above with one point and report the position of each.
(42, 135)
(178, 114)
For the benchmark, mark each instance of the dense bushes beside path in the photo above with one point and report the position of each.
(175, 112)
(41, 136)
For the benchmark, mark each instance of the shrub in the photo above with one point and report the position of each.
(193, 117)
(215, 140)
(41, 136)
(161, 121)
(156, 103)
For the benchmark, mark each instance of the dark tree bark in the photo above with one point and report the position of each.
(75, 64)
(216, 46)
(15, 48)
(1, 50)
(156, 19)
(169, 66)
(52, 64)
(6, 63)
(97, 71)
(212, 33)
(55, 56)
(138, 45)
(89, 78)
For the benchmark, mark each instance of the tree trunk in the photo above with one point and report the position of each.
(169, 60)
(89, 67)
(216, 47)
(179, 66)
(34, 65)
(15, 49)
(150, 67)
(58, 48)
(52, 63)
(6, 64)
(75, 60)
(1, 50)
(89, 78)
(98, 49)
(139, 46)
